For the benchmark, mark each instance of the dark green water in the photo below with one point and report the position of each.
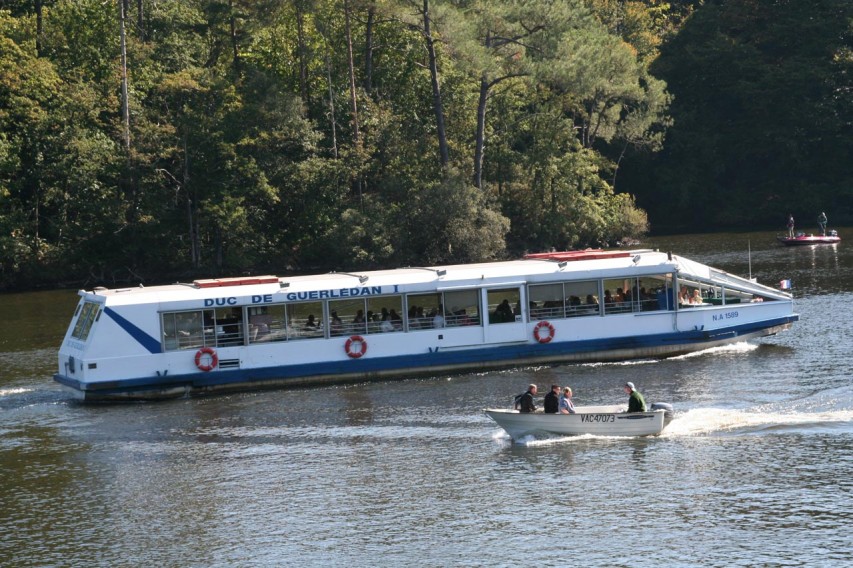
(755, 470)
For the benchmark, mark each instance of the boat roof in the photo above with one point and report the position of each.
(539, 267)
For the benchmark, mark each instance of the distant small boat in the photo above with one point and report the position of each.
(597, 420)
(802, 239)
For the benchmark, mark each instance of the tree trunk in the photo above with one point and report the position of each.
(303, 58)
(436, 90)
(351, 69)
(39, 27)
(140, 20)
(125, 106)
(234, 49)
(192, 217)
(368, 49)
(332, 108)
(480, 139)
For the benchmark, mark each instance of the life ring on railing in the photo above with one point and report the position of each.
(206, 359)
(355, 346)
(540, 337)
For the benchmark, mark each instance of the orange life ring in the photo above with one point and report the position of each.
(355, 340)
(206, 363)
(537, 332)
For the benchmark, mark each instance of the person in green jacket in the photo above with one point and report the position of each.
(636, 403)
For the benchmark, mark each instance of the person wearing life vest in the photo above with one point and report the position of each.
(636, 402)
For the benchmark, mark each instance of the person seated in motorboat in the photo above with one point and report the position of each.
(636, 402)
(552, 400)
(566, 404)
(524, 402)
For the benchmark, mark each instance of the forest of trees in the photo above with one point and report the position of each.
(146, 140)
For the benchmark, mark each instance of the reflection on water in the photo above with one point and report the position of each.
(413, 473)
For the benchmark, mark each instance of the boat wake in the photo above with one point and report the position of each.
(705, 421)
(733, 348)
(730, 349)
(12, 391)
(544, 439)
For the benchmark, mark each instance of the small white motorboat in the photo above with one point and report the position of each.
(597, 420)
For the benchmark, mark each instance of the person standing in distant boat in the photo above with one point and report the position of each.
(821, 222)
(790, 226)
(552, 400)
(636, 403)
(524, 403)
(566, 405)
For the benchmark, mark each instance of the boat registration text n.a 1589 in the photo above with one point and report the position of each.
(598, 418)
(725, 316)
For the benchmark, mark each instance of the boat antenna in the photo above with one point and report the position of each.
(749, 257)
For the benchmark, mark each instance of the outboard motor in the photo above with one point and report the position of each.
(666, 407)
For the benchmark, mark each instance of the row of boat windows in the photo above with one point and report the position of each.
(220, 327)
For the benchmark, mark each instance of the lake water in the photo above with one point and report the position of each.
(756, 469)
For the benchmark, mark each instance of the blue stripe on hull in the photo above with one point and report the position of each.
(438, 361)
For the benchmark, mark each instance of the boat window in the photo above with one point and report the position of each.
(85, 321)
(563, 300)
(582, 299)
(732, 296)
(650, 293)
(305, 320)
(464, 307)
(504, 305)
(268, 323)
(223, 327)
(183, 330)
(617, 296)
(384, 314)
(546, 301)
(347, 317)
(425, 311)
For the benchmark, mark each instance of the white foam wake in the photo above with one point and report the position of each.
(709, 420)
(735, 348)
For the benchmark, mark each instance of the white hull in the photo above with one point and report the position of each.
(595, 420)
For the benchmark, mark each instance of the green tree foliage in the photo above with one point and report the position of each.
(762, 117)
(243, 154)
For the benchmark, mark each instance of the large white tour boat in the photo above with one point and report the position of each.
(257, 332)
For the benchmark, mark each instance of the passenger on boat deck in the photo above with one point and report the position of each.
(684, 296)
(359, 317)
(396, 320)
(591, 300)
(697, 298)
(310, 323)
(438, 317)
(608, 299)
(821, 222)
(790, 226)
(636, 403)
(337, 326)
(525, 402)
(756, 298)
(552, 400)
(504, 313)
(386, 325)
(566, 405)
